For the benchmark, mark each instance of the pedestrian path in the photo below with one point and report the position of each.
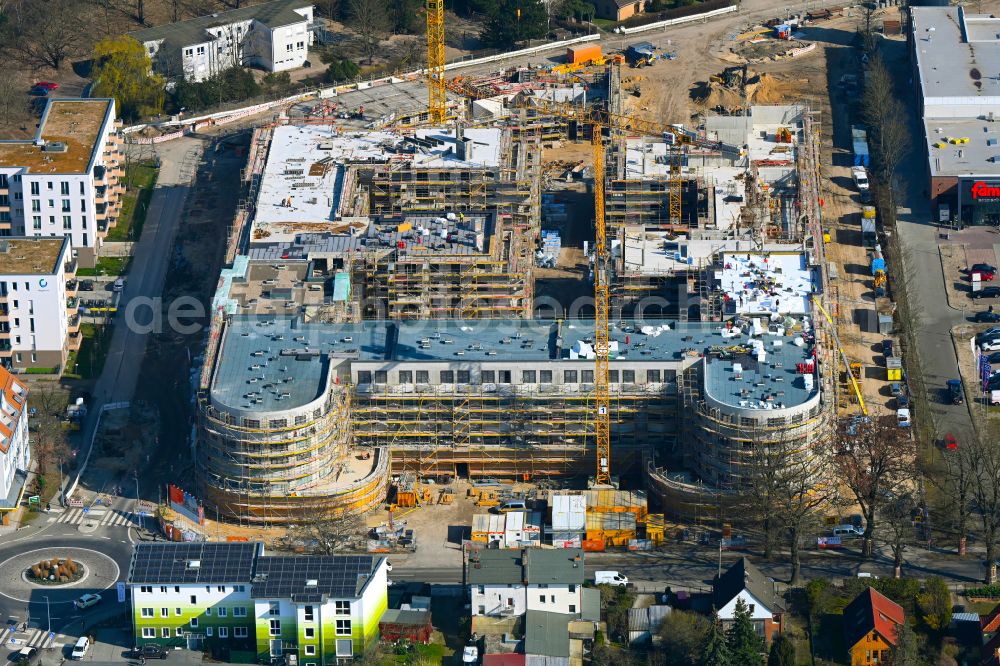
(103, 517)
(38, 638)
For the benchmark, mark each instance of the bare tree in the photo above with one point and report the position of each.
(897, 515)
(14, 109)
(956, 478)
(886, 118)
(873, 457)
(370, 19)
(46, 33)
(328, 534)
(986, 497)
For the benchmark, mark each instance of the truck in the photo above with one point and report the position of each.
(610, 578)
(869, 236)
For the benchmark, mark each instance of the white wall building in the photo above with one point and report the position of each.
(15, 455)
(67, 180)
(39, 323)
(507, 583)
(274, 36)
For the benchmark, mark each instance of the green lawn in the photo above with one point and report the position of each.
(88, 362)
(140, 179)
(605, 24)
(40, 371)
(105, 266)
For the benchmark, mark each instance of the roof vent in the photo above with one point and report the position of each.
(55, 147)
(194, 564)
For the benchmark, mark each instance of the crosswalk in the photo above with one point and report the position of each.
(102, 517)
(36, 638)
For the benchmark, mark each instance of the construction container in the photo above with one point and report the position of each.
(497, 530)
(569, 513)
(614, 529)
(407, 491)
(617, 501)
(582, 53)
(885, 323)
(481, 527)
(655, 528)
(567, 539)
(893, 369)
(592, 545)
(514, 529)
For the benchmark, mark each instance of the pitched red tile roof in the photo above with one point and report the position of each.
(871, 611)
(990, 623)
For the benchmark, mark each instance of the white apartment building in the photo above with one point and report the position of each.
(67, 181)
(15, 455)
(39, 323)
(274, 36)
(508, 583)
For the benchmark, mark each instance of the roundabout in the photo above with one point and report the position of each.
(96, 571)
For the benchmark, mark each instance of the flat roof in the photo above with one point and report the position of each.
(279, 363)
(74, 122)
(768, 283)
(306, 176)
(194, 31)
(980, 155)
(958, 55)
(161, 563)
(312, 579)
(32, 256)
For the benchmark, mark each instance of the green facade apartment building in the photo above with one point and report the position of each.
(243, 605)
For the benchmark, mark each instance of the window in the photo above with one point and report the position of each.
(300, 45)
(275, 628)
(3, 180)
(49, 185)
(572, 589)
(194, 599)
(164, 612)
(239, 632)
(65, 206)
(83, 188)
(274, 608)
(208, 631)
(177, 612)
(587, 376)
(447, 377)
(83, 205)
(177, 588)
(163, 589)
(541, 598)
(569, 376)
(381, 377)
(308, 614)
(165, 632)
(35, 189)
(208, 612)
(545, 376)
(572, 608)
(310, 632)
(201, 50)
(194, 623)
(628, 376)
(613, 376)
(147, 612)
(345, 647)
(222, 588)
(503, 377)
(342, 607)
(343, 627)
(423, 377)
(240, 611)
(528, 377)
(405, 376)
(463, 377)
(36, 206)
(288, 48)
(189, 52)
(310, 649)
(148, 632)
(489, 376)
(239, 588)
(223, 632)
(178, 631)
(223, 612)
(653, 376)
(364, 377)
(143, 588)
(64, 189)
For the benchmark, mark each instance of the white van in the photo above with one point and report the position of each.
(610, 578)
(81, 647)
(848, 531)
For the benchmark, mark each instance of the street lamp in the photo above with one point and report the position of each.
(48, 613)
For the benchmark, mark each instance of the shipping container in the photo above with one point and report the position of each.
(481, 527)
(582, 53)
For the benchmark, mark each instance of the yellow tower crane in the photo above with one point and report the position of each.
(437, 99)
(602, 345)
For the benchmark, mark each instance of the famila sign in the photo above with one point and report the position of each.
(983, 191)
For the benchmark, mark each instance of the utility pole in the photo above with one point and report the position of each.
(48, 614)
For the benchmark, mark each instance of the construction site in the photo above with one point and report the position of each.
(377, 320)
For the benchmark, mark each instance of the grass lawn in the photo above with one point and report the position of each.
(88, 362)
(605, 24)
(140, 179)
(105, 266)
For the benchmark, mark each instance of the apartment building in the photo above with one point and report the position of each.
(274, 36)
(508, 583)
(39, 323)
(15, 454)
(67, 181)
(248, 606)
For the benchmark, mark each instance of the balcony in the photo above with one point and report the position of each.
(73, 341)
(4, 332)
(72, 305)
(74, 323)
(5, 348)
(70, 269)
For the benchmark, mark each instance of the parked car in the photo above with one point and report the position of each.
(80, 649)
(860, 177)
(887, 347)
(986, 292)
(48, 85)
(986, 317)
(848, 531)
(994, 358)
(990, 332)
(981, 268)
(990, 344)
(610, 578)
(153, 651)
(25, 656)
(955, 391)
(118, 285)
(896, 389)
(470, 654)
(87, 601)
(86, 285)
(950, 442)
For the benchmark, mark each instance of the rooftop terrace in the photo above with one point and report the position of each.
(31, 256)
(76, 123)
(283, 362)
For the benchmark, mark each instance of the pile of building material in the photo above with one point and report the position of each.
(548, 255)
